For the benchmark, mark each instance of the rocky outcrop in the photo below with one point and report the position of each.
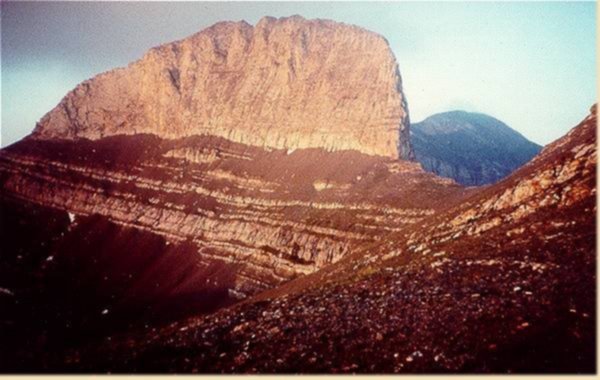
(473, 149)
(285, 83)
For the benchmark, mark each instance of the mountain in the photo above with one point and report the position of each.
(212, 169)
(245, 200)
(237, 140)
(504, 282)
(471, 148)
(286, 83)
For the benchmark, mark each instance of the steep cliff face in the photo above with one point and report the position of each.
(504, 282)
(285, 83)
(473, 149)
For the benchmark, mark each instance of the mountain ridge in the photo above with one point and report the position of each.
(471, 148)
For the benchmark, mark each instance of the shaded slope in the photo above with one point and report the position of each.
(471, 148)
(70, 281)
(504, 283)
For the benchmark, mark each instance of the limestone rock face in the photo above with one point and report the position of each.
(285, 83)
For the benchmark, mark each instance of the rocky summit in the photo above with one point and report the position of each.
(245, 200)
(472, 148)
(285, 83)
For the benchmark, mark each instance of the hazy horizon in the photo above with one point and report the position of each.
(530, 65)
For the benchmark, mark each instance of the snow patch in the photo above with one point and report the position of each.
(6, 291)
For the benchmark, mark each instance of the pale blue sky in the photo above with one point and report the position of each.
(531, 65)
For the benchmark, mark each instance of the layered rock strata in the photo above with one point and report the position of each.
(273, 214)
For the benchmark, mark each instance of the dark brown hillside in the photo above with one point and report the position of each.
(505, 282)
(66, 283)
